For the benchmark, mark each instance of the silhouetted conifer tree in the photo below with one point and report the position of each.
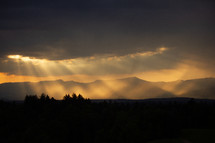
(80, 97)
(74, 97)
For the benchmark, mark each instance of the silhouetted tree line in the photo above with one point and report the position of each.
(79, 120)
(44, 99)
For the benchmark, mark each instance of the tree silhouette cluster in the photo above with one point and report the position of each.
(74, 98)
(79, 120)
(44, 99)
(34, 99)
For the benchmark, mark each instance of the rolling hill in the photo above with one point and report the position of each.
(128, 88)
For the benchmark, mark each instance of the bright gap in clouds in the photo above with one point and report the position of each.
(26, 59)
(95, 65)
(142, 65)
(14, 56)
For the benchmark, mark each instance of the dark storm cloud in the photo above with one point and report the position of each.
(67, 29)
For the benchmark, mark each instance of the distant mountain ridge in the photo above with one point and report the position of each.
(127, 88)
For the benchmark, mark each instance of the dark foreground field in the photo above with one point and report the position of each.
(79, 120)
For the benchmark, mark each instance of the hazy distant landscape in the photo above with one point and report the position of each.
(128, 88)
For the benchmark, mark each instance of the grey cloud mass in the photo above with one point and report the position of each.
(66, 29)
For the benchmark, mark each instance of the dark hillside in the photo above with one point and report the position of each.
(79, 120)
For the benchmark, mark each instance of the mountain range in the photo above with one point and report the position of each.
(128, 88)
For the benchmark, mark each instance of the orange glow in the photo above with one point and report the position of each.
(183, 71)
(4, 77)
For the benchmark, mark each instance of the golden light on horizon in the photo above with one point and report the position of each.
(85, 69)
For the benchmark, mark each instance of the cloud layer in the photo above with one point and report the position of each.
(109, 37)
(70, 29)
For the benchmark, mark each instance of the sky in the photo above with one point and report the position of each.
(87, 40)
